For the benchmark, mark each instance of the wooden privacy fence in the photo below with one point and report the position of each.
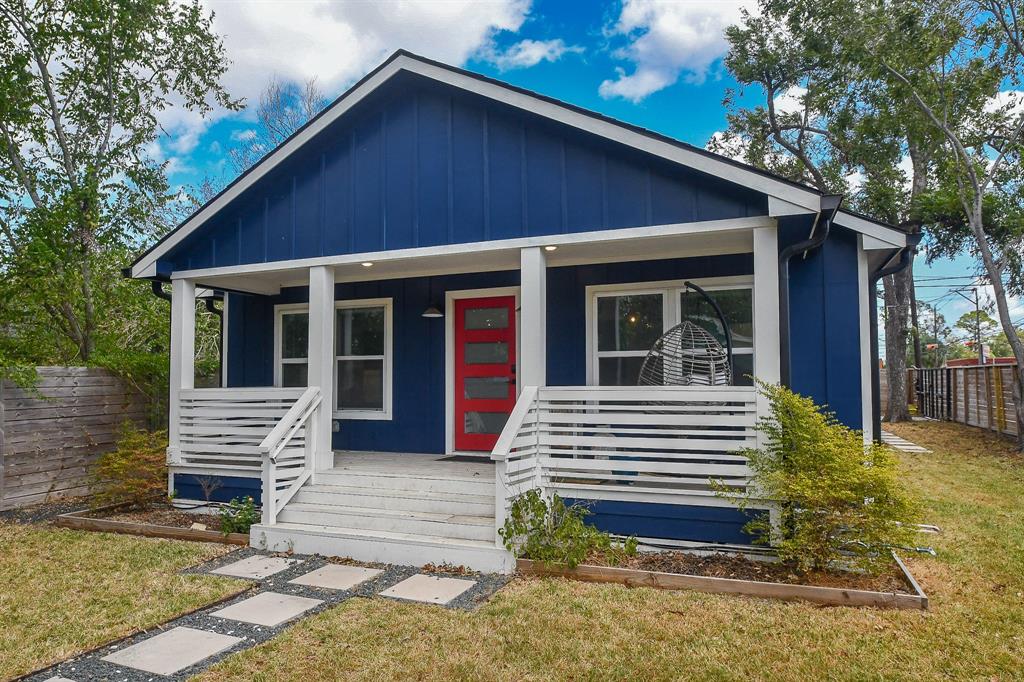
(50, 437)
(976, 395)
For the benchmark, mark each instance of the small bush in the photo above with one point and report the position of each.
(555, 533)
(135, 472)
(239, 515)
(840, 500)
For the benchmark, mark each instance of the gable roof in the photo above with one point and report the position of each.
(785, 196)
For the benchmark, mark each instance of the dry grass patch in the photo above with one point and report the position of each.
(556, 629)
(63, 592)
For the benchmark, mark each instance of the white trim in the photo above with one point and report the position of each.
(767, 330)
(182, 368)
(779, 207)
(470, 248)
(669, 290)
(888, 235)
(449, 353)
(320, 355)
(866, 361)
(531, 350)
(387, 414)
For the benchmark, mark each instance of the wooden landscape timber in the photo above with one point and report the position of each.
(831, 596)
(84, 520)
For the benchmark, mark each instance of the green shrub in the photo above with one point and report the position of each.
(135, 472)
(839, 499)
(555, 533)
(239, 515)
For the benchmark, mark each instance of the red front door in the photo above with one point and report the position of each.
(485, 369)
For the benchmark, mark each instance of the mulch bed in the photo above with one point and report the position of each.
(741, 568)
(161, 514)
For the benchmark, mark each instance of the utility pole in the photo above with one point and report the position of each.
(977, 328)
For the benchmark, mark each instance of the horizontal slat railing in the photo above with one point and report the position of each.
(669, 444)
(288, 454)
(222, 428)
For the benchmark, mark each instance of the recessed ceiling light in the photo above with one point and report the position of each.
(550, 248)
(367, 264)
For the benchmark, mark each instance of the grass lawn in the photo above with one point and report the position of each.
(64, 591)
(973, 487)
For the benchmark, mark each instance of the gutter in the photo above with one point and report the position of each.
(829, 207)
(906, 257)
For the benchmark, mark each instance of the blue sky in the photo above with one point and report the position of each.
(650, 63)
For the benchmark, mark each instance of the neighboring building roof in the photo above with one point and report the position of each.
(785, 196)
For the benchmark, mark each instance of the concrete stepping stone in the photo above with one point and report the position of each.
(268, 608)
(428, 589)
(58, 678)
(256, 567)
(336, 577)
(171, 651)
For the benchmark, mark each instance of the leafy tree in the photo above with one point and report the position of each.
(82, 83)
(821, 125)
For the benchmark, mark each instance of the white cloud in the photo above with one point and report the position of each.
(667, 39)
(240, 135)
(527, 53)
(1009, 101)
(731, 146)
(790, 101)
(339, 42)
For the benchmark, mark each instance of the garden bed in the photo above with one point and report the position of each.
(731, 574)
(158, 519)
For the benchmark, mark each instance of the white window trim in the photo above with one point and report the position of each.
(385, 414)
(670, 309)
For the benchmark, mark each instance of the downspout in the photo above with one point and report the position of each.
(905, 259)
(829, 205)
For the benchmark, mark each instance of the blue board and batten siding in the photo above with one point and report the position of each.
(418, 165)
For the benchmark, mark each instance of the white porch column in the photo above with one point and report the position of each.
(767, 351)
(183, 359)
(533, 302)
(321, 358)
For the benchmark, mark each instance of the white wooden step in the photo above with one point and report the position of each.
(398, 499)
(469, 485)
(381, 546)
(396, 521)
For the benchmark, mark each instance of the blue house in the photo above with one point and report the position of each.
(444, 291)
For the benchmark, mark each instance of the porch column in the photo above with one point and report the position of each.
(321, 359)
(533, 300)
(767, 353)
(183, 359)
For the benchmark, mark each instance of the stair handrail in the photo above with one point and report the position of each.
(526, 402)
(302, 413)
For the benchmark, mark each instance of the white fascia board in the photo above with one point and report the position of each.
(890, 236)
(675, 229)
(780, 207)
(806, 198)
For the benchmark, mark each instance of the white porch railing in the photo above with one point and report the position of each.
(644, 444)
(288, 452)
(250, 432)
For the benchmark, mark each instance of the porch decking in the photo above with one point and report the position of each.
(393, 508)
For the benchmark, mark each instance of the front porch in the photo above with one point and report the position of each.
(357, 459)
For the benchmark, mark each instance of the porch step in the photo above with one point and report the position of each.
(382, 546)
(464, 527)
(399, 499)
(360, 478)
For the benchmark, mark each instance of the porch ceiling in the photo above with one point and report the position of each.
(645, 243)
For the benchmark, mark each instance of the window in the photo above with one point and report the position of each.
(628, 321)
(362, 356)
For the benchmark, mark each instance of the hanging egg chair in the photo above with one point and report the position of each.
(688, 355)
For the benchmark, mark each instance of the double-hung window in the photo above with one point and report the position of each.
(627, 320)
(362, 355)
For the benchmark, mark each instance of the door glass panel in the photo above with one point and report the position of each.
(293, 374)
(487, 318)
(619, 371)
(489, 353)
(295, 336)
(485, 422)
(629, 322)
(361, 384)
(742, 369)
(476, 388)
